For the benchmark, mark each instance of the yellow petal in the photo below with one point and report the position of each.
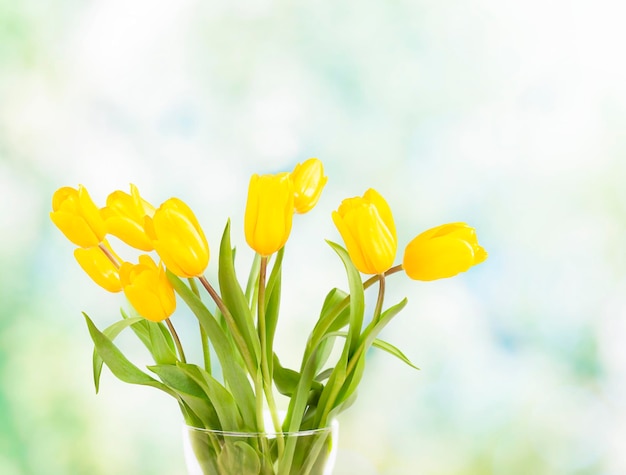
(148, 290)
(269, 212)
(437, 258)
(91, 213)
(75, 228)
(368, 230)
(99, 267)
(178, 238)
(309, 181)
(383, 208)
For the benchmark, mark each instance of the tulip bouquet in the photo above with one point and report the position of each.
(240, 376)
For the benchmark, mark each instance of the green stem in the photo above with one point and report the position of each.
(261, 327)
(204, 339)
(181, 353)
(265, 351)
(260, 421)
(232, 325)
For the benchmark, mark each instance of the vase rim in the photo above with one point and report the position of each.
(331, 428)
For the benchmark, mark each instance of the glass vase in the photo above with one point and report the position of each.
(215, 452)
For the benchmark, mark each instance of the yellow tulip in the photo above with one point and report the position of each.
(147, 289)
(443, 251)
(367, 227)
(308, 182)
(99, 267)
(269, 212)
(178, 238)
(76, 215)
(124, 217)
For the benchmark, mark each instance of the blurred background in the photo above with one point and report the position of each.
(507, 115)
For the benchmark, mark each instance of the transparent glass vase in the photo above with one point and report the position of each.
(215, 452)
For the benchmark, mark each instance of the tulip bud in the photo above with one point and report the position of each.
(78, 218)
(147, 289)
(124, 216)
(178, 238)
(443, 251)
(269, 212)
(102, 270)
(368, 230)
(308, 182)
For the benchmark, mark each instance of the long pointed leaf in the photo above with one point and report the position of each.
(357, 309)
(189, 391)
(357, 361)
(111, 332)
(119, 365)
(222, 400)
(253, 279)
(161, 351)
(370, 334)
(272, 306)
(385, 346)
(160, 346)
(357, 297)
(392, 350)
(335, 307)
(234, 374)
(234, 297)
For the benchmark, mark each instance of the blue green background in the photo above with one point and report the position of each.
(507, 115)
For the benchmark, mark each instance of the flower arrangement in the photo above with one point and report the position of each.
(237, 323)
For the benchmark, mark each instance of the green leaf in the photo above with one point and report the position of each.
(161, 347)
(238, 458)
(332, 388)
(334, 315)
(111, 332)
(119, 365)
(222, 400)
(367, 339)
(139, 329)
(370, 334)
(357, 309)
(272, 306)
(286, 380)
(177, 379)
(252, 287)
(190, 417)
(189, 391)
(297, 406)
(234, 297)
(382, 345)
(351, 383)
(234, 375)
(357, 297)
(392, 350)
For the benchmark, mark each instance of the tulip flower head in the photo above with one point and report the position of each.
(308, 182)
(368, 230)
(124, 216)
(148, 289)
(102, 270)
(178, 238)
(78, 218)
(269, 212)
(443, 251)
